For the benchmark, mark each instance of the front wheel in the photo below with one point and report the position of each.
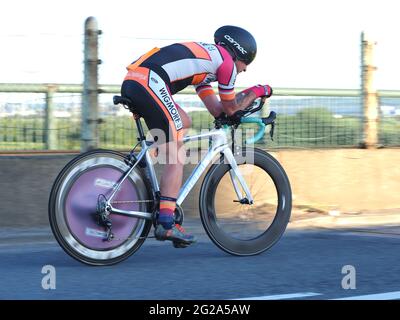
(239, 228)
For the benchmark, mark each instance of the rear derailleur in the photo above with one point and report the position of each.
(103, 219)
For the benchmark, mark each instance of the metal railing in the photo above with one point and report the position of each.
(48, 117)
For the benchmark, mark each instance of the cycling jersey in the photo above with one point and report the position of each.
(194, 63)
(157, 75)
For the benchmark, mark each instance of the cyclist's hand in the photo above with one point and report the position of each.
(267, 91)
(235, 118)
(232, 119)
(221, 116)
(261, 90)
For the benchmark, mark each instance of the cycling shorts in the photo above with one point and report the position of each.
(153, 101)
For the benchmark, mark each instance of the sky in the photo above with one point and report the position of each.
(301, 44)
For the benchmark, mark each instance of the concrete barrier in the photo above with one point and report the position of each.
(346, 180)
(25, 185)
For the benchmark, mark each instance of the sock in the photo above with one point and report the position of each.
(167, 208)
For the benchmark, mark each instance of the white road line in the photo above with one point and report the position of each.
(283, 296)
(379, 296)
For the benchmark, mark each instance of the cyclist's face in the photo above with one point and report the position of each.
(240, 66)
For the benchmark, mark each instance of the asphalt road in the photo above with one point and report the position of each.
(304, 264)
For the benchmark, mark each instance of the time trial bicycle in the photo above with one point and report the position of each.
(103, 203)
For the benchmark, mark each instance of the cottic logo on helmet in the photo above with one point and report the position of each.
(235, 43)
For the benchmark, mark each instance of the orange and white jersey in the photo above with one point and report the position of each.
(194, 63)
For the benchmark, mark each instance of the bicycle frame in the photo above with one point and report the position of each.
(219, 145)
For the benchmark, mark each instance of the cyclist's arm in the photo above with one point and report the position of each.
(228, 106)
(245, 98)
(226, 75)
(210, 100)
(241, 101)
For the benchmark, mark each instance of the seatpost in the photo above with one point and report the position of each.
(233, 139)
(140, 130)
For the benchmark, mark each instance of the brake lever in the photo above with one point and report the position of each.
(271, 132)
(270, 120)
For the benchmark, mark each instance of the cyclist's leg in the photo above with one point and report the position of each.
(171, 179)
(157, 107)
(171, 182)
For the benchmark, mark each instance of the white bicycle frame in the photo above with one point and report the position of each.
(219, 145)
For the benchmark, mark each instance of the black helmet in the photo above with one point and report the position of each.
(239, 42)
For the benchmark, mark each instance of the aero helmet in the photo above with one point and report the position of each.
(239, 43)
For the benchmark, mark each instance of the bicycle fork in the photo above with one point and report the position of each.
(236, 176)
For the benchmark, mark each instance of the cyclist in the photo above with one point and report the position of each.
(157, 75)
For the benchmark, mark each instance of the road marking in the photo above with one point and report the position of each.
(379, 296)
(283, 296)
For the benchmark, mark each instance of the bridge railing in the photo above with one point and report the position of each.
(48, 117)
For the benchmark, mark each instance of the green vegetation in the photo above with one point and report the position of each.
(312, 127)
(389, 131)
(317, 127)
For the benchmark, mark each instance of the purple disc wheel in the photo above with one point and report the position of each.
(81, 202)
(83, 186)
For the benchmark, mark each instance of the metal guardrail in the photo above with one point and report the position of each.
(110, 88)
(307, 118)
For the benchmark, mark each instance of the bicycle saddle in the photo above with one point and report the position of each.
(125, 102)
(122, 100)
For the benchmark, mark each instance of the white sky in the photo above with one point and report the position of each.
(301, 43)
